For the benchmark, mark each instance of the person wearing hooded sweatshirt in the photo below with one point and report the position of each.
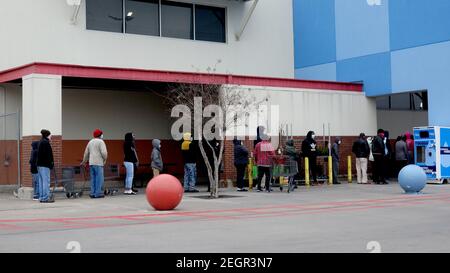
(157, 162)
(34, 169)
(378, 151)
(96, 154)
(309, 150)
(130, 162)
(259, 133)
(188, 150)
(44, 164)
(290, 151)
(335, 157)
(410, 147)
(240, 162)
(401, 154)
(263, 153)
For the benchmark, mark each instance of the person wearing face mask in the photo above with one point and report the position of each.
(378, 151)
(96, 154)
(335, 158)
(157, 162)
(131, 162)
(44, 164)
(309, 150)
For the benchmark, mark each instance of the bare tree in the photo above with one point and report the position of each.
(231, 105)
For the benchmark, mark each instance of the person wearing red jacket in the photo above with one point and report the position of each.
(264, 152)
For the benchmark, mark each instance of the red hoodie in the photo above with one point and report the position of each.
(409, 142)
(263, 151)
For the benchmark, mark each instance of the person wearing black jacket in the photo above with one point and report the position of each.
(240, 162)
(309, 150)
(361, 150)
(44, 164)
(34, 169)
(130, 161)
(378, 151)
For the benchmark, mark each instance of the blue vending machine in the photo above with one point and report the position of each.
(432, 152)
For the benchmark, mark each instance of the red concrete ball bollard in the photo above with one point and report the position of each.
(164, 192)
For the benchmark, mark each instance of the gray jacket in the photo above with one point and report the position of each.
(157, 161)
(401, 150)
(335, 149)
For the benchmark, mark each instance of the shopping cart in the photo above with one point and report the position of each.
(283, 167)
(67, 183)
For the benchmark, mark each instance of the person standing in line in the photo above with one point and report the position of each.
(44, 164)
(378, 151)
(388, 158)
(131, 161)
(264, 152)
(189, 152)
(335, 157)
(157, 162)
(401, 154)
(240, 162)
(361, 149)
(309, 150)
(410, 146)
(34, 169)
(291, 152)
(96, 154)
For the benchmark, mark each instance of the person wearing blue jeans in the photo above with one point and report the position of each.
(96, 173)
(96, 154)
(44, 164)
(190, 175)
(189, 153)
(131, 161)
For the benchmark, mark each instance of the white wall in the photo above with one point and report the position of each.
(39, 31)
(118, 112)
(114, 112)
(349, 113)
(398, 122)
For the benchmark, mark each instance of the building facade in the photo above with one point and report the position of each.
(74, 68)
(399, 50)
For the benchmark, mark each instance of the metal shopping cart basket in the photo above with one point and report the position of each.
(282, 168)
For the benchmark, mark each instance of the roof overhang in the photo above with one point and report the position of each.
(96, 72)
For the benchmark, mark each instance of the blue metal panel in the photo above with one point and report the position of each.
(445, 152)
(361, 29)
(325, 72)
(418, 22)
(314, 32)
(373, 70)
(425, 67)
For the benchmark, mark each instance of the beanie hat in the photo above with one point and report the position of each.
(97, 133)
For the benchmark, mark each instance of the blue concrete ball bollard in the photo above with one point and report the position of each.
(412, 179)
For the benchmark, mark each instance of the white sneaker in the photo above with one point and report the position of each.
(35, 199)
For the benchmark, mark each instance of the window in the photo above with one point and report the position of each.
(210, 24)
(106, 15)
(177, 20)
(158, 18)
(142, 17)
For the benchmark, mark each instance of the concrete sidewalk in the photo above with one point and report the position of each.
(343, 218)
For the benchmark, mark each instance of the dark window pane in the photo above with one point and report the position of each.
(142, 17)
(383, 103)
(176, 20)
(106, 15)
(400, 102)
(210, 24)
